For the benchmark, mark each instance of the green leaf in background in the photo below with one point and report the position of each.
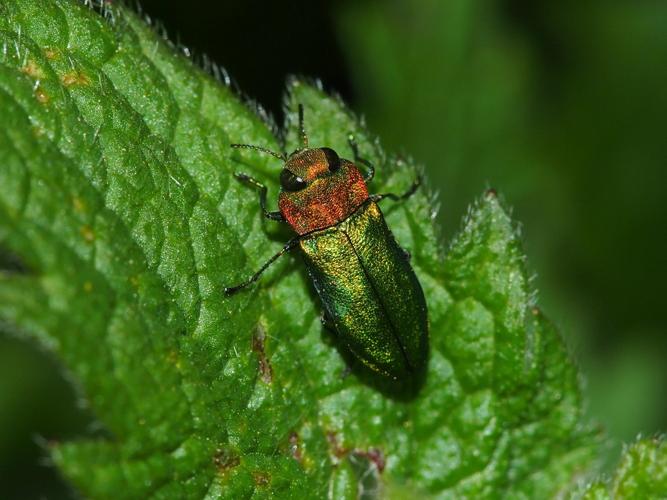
(447, 79)
(117, 195)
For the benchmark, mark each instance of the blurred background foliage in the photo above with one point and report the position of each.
(561, 106)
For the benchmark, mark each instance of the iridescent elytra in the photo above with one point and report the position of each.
(371, 296)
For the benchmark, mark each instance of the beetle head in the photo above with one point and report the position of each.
(304, 166)
(318, 188)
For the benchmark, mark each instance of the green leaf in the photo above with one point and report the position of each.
(641, 473)
(116, 192)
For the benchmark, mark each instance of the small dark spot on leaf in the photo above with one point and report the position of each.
(42, 96)
(337, 450)
(174, 358)
(38, 131)
(294, 446)
(51, 53)
(78, 204)
(33, 70)
(87, 233)
(261, 478)
(491, 193)
(374, 455)
(258, 341)
(72, 78)
(224, 460)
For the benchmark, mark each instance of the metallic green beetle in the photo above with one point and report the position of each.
(363, 277)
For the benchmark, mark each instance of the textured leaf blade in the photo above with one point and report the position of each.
(117, 192)
(641, 473)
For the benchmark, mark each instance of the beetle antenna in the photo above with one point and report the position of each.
(282, 156)
(302, 129)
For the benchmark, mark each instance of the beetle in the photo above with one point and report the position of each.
(370, 292)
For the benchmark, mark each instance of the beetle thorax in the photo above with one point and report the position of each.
(334, 190)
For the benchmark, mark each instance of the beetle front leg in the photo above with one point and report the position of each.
(398, 197)
(277, 216)
(231, 290)
(358, 159)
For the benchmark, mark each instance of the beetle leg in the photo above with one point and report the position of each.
(280, 156)
(398, 197)
(277, 216)
(230, 290)
(358, 159)
(327, 322)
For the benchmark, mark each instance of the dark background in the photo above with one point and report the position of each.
(561, 106)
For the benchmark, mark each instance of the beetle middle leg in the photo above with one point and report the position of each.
(231, 290)
(245, 178)
(398, 197)
(358, 159)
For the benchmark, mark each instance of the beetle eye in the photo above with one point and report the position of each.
(291, 182)
(332, 159)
